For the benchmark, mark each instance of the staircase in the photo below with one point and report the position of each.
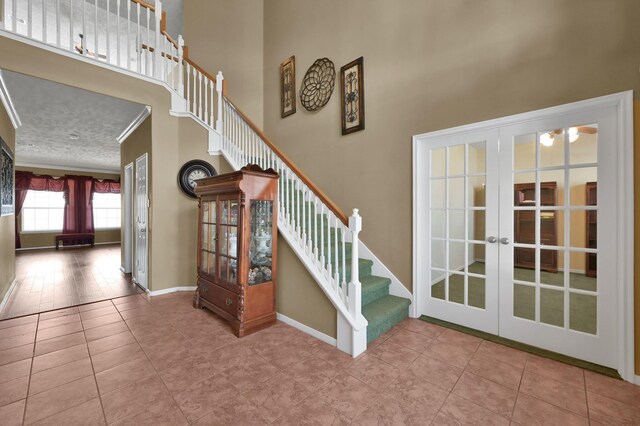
(325, 240)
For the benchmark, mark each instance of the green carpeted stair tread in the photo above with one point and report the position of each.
(384, 313)
(373, 288)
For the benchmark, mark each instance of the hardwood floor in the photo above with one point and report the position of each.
(49, 279)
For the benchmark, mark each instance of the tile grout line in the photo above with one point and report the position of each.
(95, 380)
(33, 352)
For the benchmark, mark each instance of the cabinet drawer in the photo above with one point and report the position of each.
(220, 297)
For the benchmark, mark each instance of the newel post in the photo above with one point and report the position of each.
(219, 83)
(355, 226)
(180, 66)
(157, 51)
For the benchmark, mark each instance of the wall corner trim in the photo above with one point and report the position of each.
(7, 295)
(306, 329)
(146, 111)
(5, 97)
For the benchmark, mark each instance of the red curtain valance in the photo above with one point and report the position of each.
(29, 181)
(106, 186)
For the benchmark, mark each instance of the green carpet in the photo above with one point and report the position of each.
(527, 348)
(582, 307)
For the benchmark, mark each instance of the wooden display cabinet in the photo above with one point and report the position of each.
(591, 269)
(237, 247)
(525, 226)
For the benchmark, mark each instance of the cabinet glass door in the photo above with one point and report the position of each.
(208, 238)
(228, 255)
(260, 246)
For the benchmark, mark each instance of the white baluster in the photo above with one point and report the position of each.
(200, 95)
(297, 201)
(118, 32)
(322, 235)
(147, 53)
(355, 290)
(128, 38)
(95, 30)
(205, 100)
(335, 248)
(58, 29)
(315, 227)
(108, 55)
(156, 57)
(138, 40)
(309, 210)
(344, 261)
(211, 90)
(329, 251)
(219, 87)
(304, 218)
(163, 65)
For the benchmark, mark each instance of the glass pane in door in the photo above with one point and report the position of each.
(554, 177)
(457, 228)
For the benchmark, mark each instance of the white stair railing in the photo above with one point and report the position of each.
(131, 35)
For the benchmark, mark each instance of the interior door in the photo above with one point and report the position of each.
(141, 222)
(127, 248)
(557, 258)
(460, 191)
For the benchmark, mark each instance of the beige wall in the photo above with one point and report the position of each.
(227, 36)
(7, 223)
(48, 239)
(431, 65)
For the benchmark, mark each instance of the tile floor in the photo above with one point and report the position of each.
(50, 279)
(134, 361)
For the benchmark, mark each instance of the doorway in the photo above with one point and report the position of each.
(127, 223)
(523, 229)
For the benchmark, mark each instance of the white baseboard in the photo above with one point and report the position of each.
(7, 295)
(638, 380)
(306, 329)
(170, 290)
(52, 247)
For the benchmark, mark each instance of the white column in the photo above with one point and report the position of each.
(355, 226)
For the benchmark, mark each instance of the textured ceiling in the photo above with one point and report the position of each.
(50, 112)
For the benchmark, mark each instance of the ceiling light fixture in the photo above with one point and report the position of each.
(573, 134)
(74, 136)
(546, 139)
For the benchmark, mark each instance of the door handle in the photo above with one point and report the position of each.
(504, 240)
(492, 239)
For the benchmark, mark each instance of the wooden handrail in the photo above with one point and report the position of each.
(325, 199)
(145, 4)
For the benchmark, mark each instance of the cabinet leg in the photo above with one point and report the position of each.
(196, 301)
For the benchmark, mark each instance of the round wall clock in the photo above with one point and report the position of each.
(190, 172)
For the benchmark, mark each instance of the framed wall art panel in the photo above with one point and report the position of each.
(352, 96)
(7, 203)
(288, 87)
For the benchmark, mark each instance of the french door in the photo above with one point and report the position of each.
(141, 229)
(517, 230)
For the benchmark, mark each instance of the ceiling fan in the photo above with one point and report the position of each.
(548, 138)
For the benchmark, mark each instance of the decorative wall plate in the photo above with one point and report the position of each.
(190, 172)
(318, 84)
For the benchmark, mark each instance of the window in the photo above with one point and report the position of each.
(43, 211)
(106, 211)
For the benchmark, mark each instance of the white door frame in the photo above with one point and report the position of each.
(623, 104)
(127, 249)
(142, 281)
